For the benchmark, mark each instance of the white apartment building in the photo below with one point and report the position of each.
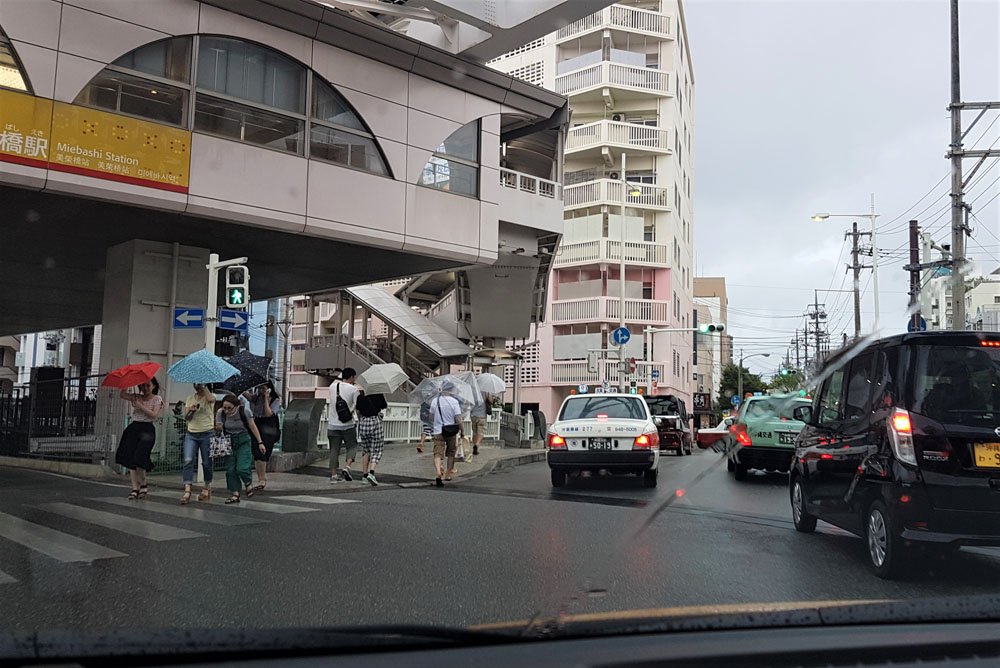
(628, 75)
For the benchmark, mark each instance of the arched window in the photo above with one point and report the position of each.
(11, 74)
(454, 167)
(238, 90)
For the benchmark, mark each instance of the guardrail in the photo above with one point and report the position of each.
(529, 184)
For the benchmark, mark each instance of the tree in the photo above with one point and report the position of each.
(788, 383)
(729, 385)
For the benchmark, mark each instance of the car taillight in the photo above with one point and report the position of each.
(557, 442)
(647, 441)
(743, 438)
(901, 436)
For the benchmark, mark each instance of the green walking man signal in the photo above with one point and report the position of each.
(237, 287)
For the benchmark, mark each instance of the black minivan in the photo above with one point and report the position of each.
(902, 445)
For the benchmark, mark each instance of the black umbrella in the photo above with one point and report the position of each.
(253, 371)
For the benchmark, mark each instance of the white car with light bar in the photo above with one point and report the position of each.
(610, 434)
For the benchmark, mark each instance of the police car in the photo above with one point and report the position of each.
(603, 433)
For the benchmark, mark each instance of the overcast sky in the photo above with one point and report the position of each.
(806, 106)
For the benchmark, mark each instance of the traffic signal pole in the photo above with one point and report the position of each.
(212, 312)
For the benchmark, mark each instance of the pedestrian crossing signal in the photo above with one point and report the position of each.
(237, 287)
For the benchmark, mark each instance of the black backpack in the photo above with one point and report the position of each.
(343, 411)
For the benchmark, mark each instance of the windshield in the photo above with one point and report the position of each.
(774, 408)
(956, 384)
(583, 408)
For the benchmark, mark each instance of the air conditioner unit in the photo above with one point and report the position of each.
(618, 117)
(614, 176)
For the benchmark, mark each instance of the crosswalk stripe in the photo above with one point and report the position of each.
(55, 544)
(6, 579)
(260, 506)
(322, 500)
(190, 512)
(129, 525)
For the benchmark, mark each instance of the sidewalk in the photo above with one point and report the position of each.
(401, 466)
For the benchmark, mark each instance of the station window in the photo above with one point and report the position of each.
(454, 167)
(337, 133)
(11, 74)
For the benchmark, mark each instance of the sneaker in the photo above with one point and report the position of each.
(437, 481)
(371, 480)
(346, 475)
(334, 480)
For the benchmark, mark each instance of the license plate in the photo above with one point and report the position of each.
(785, 438)
(987, 455)
(600, 444)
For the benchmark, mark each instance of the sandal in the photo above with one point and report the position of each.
(133, 495)
(235, 498)
(419, 449)
(186, 497)
(249, 491)
(262, 485)
(205, 495)
(143, 491)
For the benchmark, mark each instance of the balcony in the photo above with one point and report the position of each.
(572, 372)
(608, 250)
(608, 191)
(619, 17)
(629, 82)
(595, 139)
(531, 201)
(590, 309)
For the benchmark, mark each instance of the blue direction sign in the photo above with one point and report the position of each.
(923, 325)
(621, 336)
(235, 320)
(189, 318)
(734, 400)
(656, 374)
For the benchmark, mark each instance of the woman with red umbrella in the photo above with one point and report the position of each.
(137, 440)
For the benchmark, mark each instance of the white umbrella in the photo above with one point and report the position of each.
(491, 383)
(382, 378)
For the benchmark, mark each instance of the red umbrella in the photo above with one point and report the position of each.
(131, 375)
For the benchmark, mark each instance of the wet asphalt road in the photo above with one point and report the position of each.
(501, 547)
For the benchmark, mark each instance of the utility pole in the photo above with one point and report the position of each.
(957, 226)
(856, 268)
(795, 342)
(915, 316)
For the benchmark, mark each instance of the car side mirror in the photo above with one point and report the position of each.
(802, 413)
(730, 422)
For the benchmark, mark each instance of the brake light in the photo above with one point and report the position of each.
(647, 441)
(557, 442)
(901, 436)
(602, 417)
(990, 344)
(743, 438)
(826, 455)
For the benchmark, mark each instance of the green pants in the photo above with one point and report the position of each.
(239, 465)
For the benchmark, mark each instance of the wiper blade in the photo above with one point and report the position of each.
(246, 643)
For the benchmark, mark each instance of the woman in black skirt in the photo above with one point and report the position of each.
(139, 436)
(265, 404)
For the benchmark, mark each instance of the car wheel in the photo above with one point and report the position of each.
(730, 465)
(740, 470)
(885, 548)
(649, 477)
(558, 478)
(801, 518)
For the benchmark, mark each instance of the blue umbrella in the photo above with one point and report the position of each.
(202, 367)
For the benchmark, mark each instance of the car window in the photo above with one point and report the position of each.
(773, 407)
(859, 387)
(596, 406)
(956, 384)
(830, 404)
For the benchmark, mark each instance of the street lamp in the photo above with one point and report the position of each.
(740, 372)
(872, 216)
(627, 190)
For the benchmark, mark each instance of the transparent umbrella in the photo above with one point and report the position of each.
(469, 378)
(490, 383)
(431, 388)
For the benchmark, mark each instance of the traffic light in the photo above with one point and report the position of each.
(237, 287)
(712, 328)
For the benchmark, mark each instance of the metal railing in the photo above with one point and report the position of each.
(529, 184)
(608, 308)
(572, 372)
(608, 250)
(576, 309)
(619, 16)
(632, 135)
(641, 79)
(608, 191)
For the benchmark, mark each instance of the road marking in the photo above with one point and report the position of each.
(129, 525)
(6, 579)
(225, 519)
(322, 500)
(58, 545)
(262, 507)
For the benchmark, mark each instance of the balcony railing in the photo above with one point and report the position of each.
(631, 135)
(608, 250)
(622, 17)
(572, 372)
(607, 191)
(529, 184)
(607, 308)
(642, 79)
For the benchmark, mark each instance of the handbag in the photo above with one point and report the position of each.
(447, 430)
(220, 446)
(463, 453)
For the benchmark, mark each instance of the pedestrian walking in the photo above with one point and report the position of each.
(446, 412)
(426, 425)
(136, 443)
(236, 421)
(340, 425)
(266, 405)
(479, 422)
(199, 409)
(371, 432)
